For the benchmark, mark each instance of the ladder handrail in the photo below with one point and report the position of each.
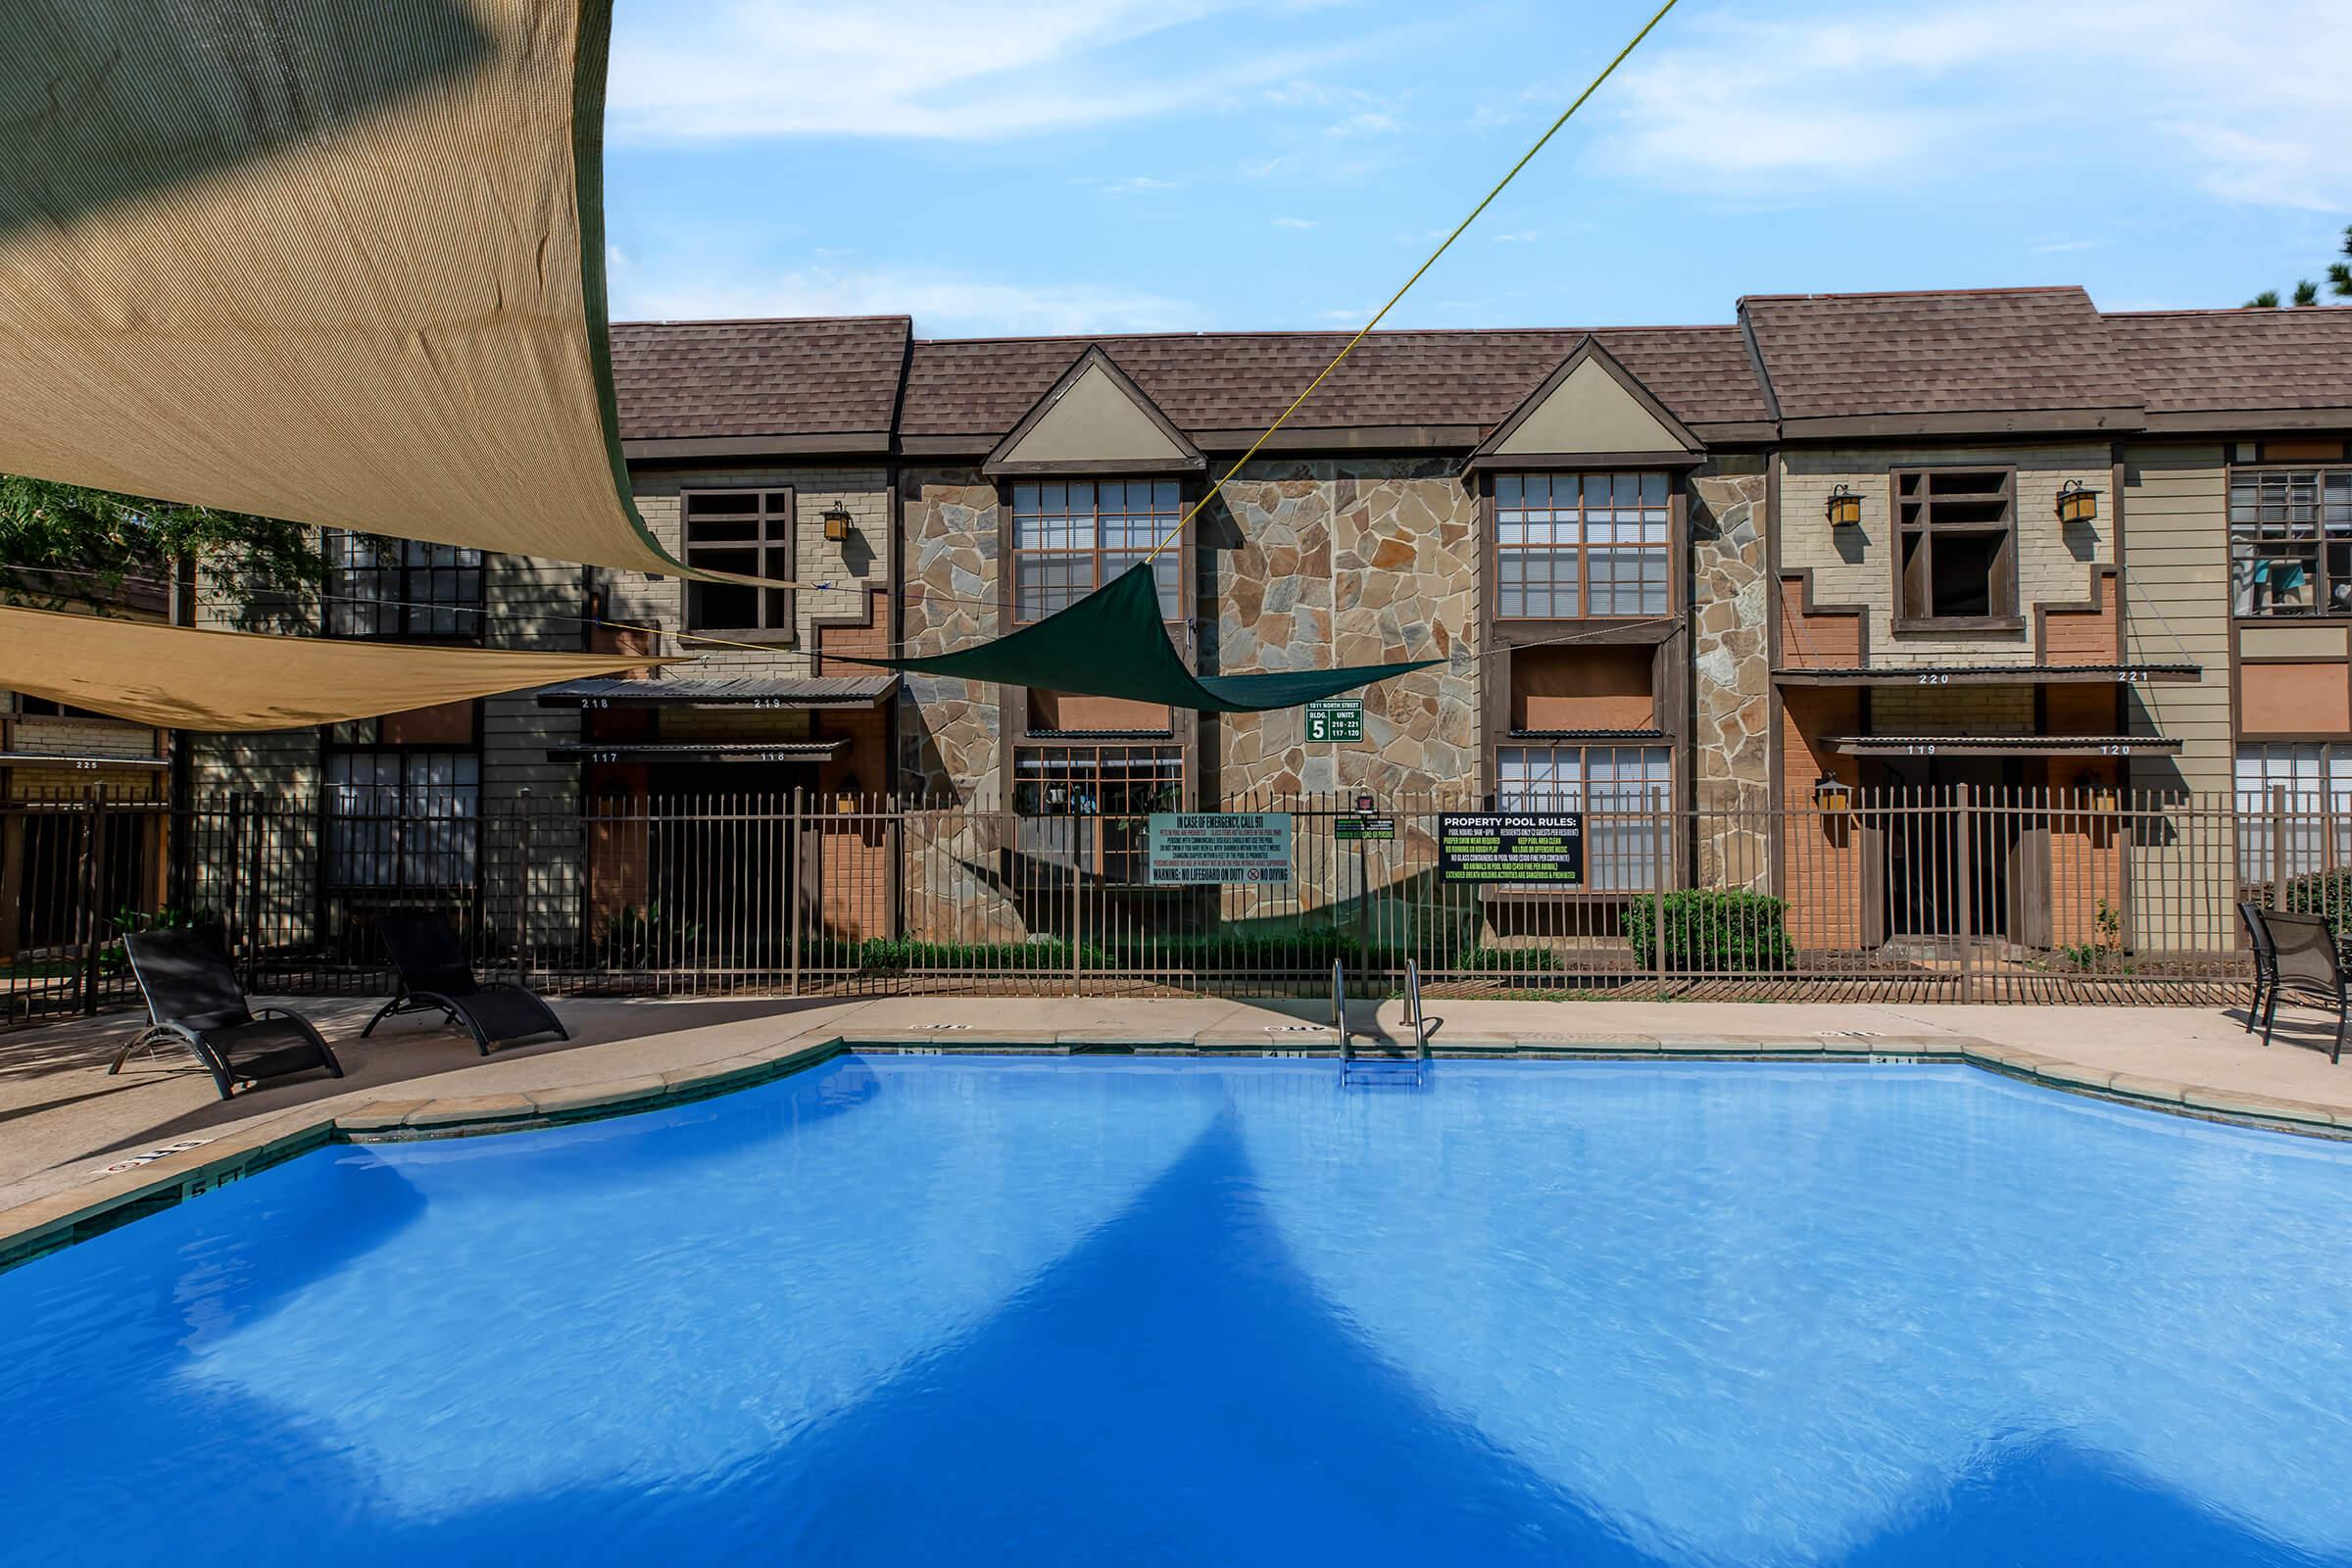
(1412, 1008)
(1339, 1005)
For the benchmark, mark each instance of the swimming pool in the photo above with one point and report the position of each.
(901, 1309)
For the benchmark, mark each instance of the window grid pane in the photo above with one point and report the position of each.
(1622, 853)
(1072, 538)
(1087, 808)
(744, 531)
(2290, 541)
(401, 588)
(1570, 546)
(402, 818)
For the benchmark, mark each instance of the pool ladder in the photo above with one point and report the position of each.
(1383, 1064)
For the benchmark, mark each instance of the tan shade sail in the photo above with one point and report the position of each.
(176, 677)
(338, 261)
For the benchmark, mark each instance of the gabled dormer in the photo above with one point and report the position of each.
(1591, 413)
(1095, 419)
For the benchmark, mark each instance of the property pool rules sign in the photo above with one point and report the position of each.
(1195, 847)
(1530, 847)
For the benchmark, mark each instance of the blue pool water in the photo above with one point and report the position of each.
(901, 1310)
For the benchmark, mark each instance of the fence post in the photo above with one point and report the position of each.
(1965, 890)
(523, 892)
(1660, 829)
(2277, 846)
(1078, 860)
(791, 887)
(252, 827)
(93, 866)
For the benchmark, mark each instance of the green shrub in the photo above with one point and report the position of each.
(2323, 893)
(893, 956)
(1711, 930)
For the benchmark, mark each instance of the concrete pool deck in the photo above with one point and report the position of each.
(79, 1150)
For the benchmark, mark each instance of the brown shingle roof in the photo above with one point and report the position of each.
(1242, 380)
(822, 376)
(2193, 360)
(2000, 351)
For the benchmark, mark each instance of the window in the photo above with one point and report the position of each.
(402, 818)
(2313, 780)
(1956, 546)
(1621, 855)
(401, 588)
(2290, 541)
(1575, 545)
(1084, 807)
(749, 532)
(1070, 539)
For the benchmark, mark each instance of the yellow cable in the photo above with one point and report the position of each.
(1366, 331)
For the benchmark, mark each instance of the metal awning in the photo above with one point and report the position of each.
(2006, 745)
(737, 690)
(1990, 675)
(700, 750)
(1629, 736)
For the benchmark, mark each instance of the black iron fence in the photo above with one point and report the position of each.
(1925, 896)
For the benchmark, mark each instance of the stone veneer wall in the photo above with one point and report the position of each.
(1351, 561)
(951, 744)
(1730, 677)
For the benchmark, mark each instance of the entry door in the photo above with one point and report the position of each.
(724, 860)
(1924, 862)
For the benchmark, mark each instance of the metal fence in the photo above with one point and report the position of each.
(2008, 896)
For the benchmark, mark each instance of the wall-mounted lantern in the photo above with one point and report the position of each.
(2076, 504)
(1845, 509)
(1832, 794)
(837, 523)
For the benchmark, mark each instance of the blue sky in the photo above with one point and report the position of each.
(1083, 165)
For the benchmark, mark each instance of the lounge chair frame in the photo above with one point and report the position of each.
(212, 1032)
(2266, 959)
(435, 976)
(2307, 961)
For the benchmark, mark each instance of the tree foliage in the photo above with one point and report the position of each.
(2307, 292)
(66, 545)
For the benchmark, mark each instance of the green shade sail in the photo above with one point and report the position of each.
(1113, 643)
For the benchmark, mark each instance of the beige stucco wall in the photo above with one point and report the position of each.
(1855, 566)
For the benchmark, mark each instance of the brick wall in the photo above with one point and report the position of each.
(1854, 566)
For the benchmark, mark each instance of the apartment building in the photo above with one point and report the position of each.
(1838, 546)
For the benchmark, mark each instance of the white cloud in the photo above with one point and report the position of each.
(2055, 247)
(1294, 223)
(1524, 237)
(940, 302)
(1731, 102)
(956, 70)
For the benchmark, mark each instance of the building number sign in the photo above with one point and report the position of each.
(1335, 719)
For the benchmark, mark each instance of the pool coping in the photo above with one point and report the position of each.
(58, 1220)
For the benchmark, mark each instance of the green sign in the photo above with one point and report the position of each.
(1336, 719)
(1364, 829)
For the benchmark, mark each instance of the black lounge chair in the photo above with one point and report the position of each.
(2265, 957)
(193, 996)
(2306, 962)
(435, 976)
